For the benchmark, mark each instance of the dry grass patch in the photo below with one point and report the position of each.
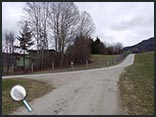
(34, 89)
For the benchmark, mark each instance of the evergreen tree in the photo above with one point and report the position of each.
(25, 39)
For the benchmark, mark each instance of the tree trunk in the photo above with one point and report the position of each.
(24, 61)
(7, 69)
(61, 59)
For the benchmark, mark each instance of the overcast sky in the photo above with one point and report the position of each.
(125, 22)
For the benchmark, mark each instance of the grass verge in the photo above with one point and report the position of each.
(34, 89)
(137, 85)
(99, 60)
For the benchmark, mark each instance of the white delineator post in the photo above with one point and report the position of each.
(72, 64)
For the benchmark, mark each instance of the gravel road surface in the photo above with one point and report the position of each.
(86, 92)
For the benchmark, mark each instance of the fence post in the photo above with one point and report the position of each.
(99, 62)
(32, 67)
(112, 61)
(86, 63)
(52, 65)
(12, 69)
(106, 63)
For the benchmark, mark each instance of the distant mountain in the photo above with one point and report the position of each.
(144, 46)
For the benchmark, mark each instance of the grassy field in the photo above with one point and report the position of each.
(137, 85)
(99, 60)
(34, 89)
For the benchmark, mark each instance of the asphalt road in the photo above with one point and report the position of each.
(86, 92)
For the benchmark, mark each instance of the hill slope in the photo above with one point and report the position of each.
(144, 46)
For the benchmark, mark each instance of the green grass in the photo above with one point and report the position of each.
(34, 89)
(137, 85)
(99, 60)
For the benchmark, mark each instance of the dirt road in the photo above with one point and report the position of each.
(87, 92)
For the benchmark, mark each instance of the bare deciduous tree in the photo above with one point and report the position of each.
(64, 19)
(37, 15)
(61, 20)
(86, 25)
(32, 14)
(117, 48)
(80, 50)
(8, 47)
